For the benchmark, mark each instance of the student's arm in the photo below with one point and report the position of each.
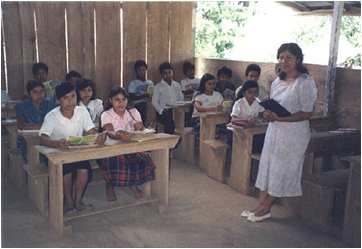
(61, 144)
(119, 135)
(200, 108)
(156, 100)
(26, 126)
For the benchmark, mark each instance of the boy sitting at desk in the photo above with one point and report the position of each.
(30, 113)
(224, 84)
(165, 94)
(190, 84)
(64, 121)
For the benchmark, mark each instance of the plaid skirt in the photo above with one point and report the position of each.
(128, 170)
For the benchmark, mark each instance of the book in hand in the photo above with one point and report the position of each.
(275, 107)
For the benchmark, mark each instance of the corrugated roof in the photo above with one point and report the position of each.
(323, 7)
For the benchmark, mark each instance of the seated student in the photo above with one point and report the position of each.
(137, 88)
(66, 120)
(30, 113)
(224, 84)
(131, 170)
(73, 77)
(165, 94)
(190, 84)
(206, 100)
(40, 73)
(86, 96)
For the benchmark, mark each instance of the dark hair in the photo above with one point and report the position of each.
(247, 85)
(32, 84)
(84, 83)
(63, 89)
(140, 63)
(225, 71)
(295, 50)
(206, 77)
(72, 74)
(165, 66)
(115, 90)
(37, 66)
(252, 67)
(187, 66)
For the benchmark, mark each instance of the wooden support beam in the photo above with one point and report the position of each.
(333, 54)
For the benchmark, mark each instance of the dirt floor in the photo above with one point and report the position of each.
(201, 213)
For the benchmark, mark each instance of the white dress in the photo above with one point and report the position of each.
(281, 162)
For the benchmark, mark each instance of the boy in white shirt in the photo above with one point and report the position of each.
(62, 122)
(165, 95)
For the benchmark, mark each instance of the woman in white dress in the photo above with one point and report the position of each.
(287, 138)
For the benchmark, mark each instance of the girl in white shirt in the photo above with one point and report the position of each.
(86, 96)
(246, 109)
(206, 100)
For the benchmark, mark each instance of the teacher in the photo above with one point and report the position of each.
(287, 138)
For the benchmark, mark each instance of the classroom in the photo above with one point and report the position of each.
(169, 124)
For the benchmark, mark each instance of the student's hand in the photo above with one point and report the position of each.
(138, 126)
(62, 144)
(123, 135)
(251, 123)
(219, 108)
(101, 138)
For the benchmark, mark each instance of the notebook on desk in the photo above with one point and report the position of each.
(275, 107)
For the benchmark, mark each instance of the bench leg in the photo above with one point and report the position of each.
(160, 184)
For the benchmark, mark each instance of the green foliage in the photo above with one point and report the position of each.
(309, 30)
(351, 29)
(218, 24)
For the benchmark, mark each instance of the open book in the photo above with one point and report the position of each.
(275, 107)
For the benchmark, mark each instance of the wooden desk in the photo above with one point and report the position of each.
(241, 156)
(179, 111)
(8, 109)
(11, 127)
(160, 155)
(32, 138)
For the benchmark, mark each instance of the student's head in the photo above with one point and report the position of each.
(73, 77)
(140, 68)
(85, 91)
(35, 90)
(40, 71)
(207, 83)
(166, 71)
(249, 90)
(252, 72)
(224, 74)
(189, 70)
(118, 99)
(66, 95)
(290, 57)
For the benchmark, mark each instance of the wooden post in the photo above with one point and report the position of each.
(332, 62)
(56, 197)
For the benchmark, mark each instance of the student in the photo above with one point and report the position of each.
(190, 84)
(131, 170)
(30, 113)
(246, 109)
(206, 100)
(66, 120)
(73, 77)
(86, 97)
(137, 89)
(40, 73)
(166, 93)
(224, 84)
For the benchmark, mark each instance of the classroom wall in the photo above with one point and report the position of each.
(347, 108)
(101, 40)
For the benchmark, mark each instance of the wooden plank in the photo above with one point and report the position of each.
(26, 11)
(80, 23)
(56, 197)
(134, 37)
(50, 18)
(333, 54)
(3, 82)
(160, 185)
(108, 47)
(157, 37)
(181, 35)
(13, 43)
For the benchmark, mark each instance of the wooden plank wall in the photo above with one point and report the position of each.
(347, 107)
(94, 36)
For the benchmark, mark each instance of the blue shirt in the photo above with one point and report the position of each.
(139, 88)
(31, 115)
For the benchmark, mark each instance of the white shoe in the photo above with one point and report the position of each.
(246, 213)
(254, 218)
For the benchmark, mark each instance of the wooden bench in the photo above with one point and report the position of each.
(212, 151)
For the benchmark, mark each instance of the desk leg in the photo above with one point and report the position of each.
(56, 197)
(241, 162)
(160, 185)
